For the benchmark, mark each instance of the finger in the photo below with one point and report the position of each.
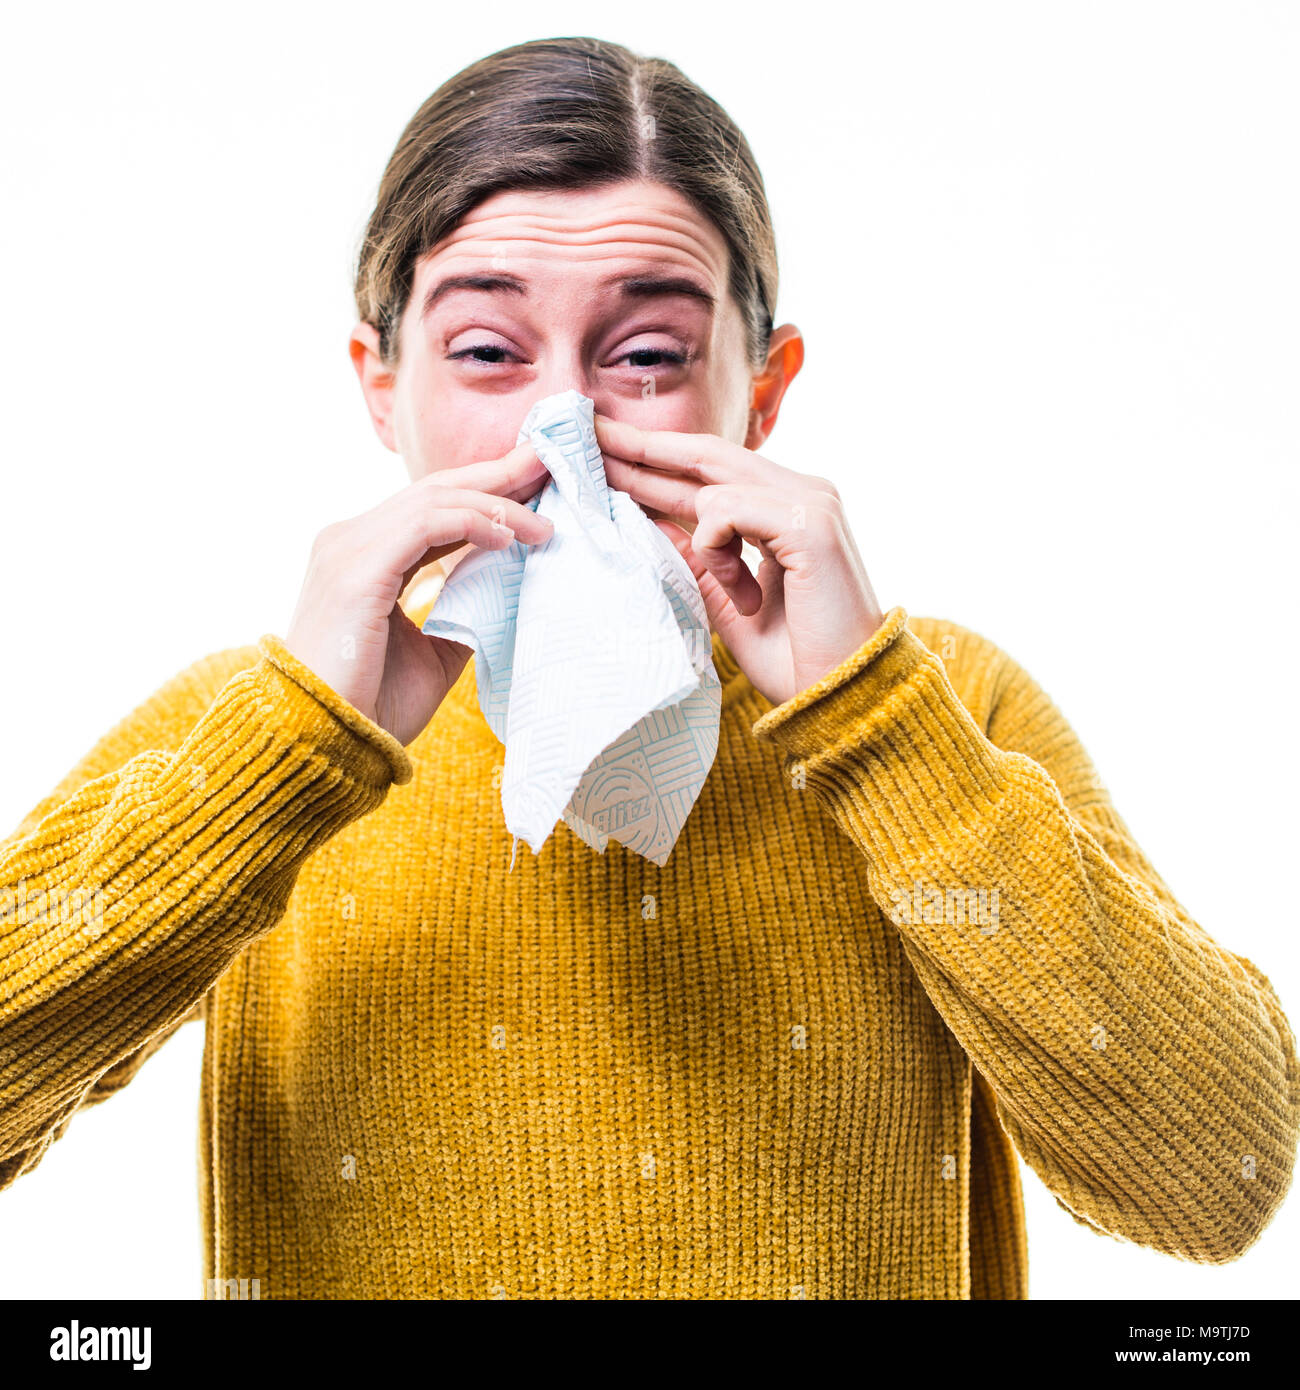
(450, 530)
(705, 457)
(726, 564)
(776, 521)
(663, 494)
(502, 511)
(459, 516)
(520, 475)
(716, 599)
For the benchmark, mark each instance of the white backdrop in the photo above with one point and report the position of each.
(1043, 256)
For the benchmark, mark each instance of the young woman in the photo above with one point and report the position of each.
(903, 929)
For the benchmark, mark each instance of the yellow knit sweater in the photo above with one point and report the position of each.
(903, 928)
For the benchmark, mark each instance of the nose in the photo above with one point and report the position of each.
(567, 373)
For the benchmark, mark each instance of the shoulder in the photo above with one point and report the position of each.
(1010, 707)
(980, 671)
(159, 722)
(180, 701)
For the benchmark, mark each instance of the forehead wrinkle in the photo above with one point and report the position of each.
(679, 231)
(498, 256)
(583, 249)
(530, 248)
(551, 282)
(523, 238)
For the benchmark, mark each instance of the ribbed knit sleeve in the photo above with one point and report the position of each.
(1146, 1074)
(123, 901)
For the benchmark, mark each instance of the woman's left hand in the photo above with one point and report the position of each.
(811, 606)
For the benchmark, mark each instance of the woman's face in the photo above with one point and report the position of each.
(620, 292)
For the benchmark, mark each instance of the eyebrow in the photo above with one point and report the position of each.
(630, 286)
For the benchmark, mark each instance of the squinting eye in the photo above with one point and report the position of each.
(480, 347)
(676, 358)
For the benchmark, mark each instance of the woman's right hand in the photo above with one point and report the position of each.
(348, 626)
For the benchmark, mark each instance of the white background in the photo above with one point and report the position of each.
(1044, 259)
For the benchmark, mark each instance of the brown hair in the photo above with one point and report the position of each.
(569, 113)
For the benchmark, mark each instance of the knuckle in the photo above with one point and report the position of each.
(827, 520)
(459, 516)
(825, 485)
(328, 537)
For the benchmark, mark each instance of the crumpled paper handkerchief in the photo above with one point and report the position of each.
(593, 656)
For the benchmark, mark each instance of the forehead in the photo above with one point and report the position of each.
(537, 231)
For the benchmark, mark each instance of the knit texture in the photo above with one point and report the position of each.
(904, 929)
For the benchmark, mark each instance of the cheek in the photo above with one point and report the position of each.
(438, 426)
(668, 413)
(683, 412)
(710, 404)
(451, 433)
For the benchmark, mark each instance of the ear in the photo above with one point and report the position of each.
(784, 358)
(377, 381)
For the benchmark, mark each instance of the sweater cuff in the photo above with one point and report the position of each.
(318, 714)
(887, 743)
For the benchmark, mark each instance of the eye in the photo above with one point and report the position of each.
(482, 347)
(640, 359)
(676, 359)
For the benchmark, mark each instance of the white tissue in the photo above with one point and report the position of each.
(593, 656)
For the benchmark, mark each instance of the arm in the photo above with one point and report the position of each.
(1146, 1074)
(127, 892)
(162, 721)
